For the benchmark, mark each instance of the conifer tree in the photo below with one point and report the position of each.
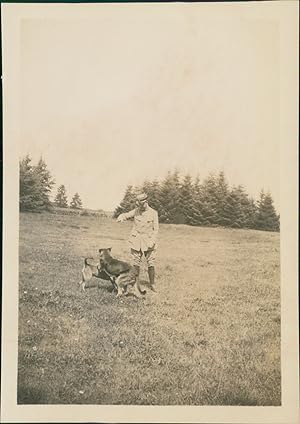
(35, 185)
(165, 193)
(29, 188)
(237, 216)
(176, 215)
(61, 199)
(229, 211)
(186, 200)
(76, 202)
(128, 202)
(221, 197)
(196, 217)
(266, 217)
(169, 199)
(248, 208)
(209, 201)
(250, 213)
(46, 183)
(152, 189)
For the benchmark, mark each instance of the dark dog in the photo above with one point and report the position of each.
(123, 273)
(90, 270)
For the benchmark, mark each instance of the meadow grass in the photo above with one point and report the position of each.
(211, 336)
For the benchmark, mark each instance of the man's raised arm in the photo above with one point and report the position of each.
(124, 216)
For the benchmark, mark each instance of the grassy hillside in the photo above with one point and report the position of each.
(211, 336)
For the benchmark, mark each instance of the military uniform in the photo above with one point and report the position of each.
(143, 238)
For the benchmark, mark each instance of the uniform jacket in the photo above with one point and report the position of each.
(145, 229)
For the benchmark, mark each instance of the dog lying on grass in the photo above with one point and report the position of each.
(90, 270)
(123, 273)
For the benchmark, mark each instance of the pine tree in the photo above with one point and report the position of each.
(61, 200)
(239, 210)
(30, 188)
(196, 216)
(248, 208)
(234, 211)
(186, 200)
(230, 209)
(35, 186)
(250, 214)
(152, 189)
(46, 184)
(170, 199)
(209, 201)
(165, 194)
(176, 215)
(266, 217)
(128, 202)
(76, 202)
(221, 197)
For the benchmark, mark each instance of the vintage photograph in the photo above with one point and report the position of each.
(149, 208)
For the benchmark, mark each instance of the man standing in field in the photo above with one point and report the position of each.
(143, 238)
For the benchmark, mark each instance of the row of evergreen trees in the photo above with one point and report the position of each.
(178, 199)
(61, 199)
(183, 200)
(36, 184)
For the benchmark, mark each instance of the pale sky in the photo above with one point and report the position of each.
(121, 97)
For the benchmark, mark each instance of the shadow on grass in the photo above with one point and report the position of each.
(99, 284)
(244, 399)
(30, 395)
(239, 399)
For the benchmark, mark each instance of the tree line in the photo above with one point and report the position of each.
(178, 199)
(212, 202)
(36, 184)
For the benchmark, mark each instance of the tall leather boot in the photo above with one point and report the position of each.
(151, 273)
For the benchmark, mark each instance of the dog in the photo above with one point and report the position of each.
(123, 273)
(90, 270)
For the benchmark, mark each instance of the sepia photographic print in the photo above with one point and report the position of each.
(150, 212)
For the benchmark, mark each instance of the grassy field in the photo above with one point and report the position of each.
(211, 336)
